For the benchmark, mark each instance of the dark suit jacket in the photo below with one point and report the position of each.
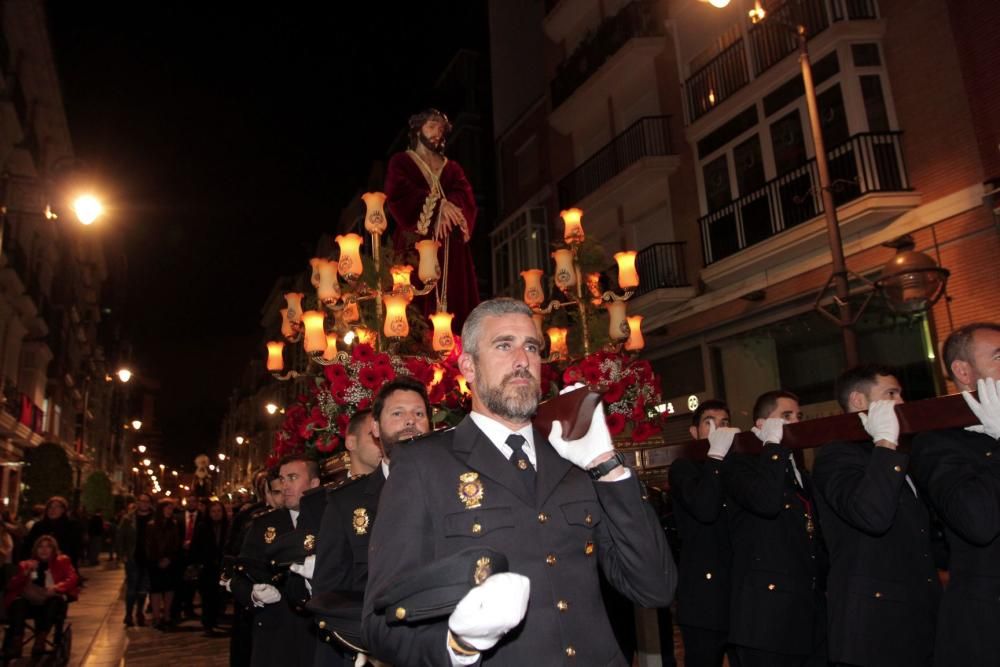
(342, 548)
(706, 554)
(281, 633)
(579, 522)
(960, 472)
(778, 569)
(883, 586)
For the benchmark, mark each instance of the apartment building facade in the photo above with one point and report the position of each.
(681, 130)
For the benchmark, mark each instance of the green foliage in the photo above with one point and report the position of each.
(97, 494)
(47, 473)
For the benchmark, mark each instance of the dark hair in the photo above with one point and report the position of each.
(262, 484)
(159, 516)
(710, 404)
(400, 383)
(766, 402)
(860, 378)
(418, 120)
(354, 425)
(312, 466)
(958, 345)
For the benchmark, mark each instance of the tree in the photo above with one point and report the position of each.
(47, 473)
(97, 494)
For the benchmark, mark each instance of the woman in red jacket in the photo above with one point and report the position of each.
(40, 590)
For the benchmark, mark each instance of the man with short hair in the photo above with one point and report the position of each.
(777, 610)
(281, 633)
(495, 481)
(883, 586)
(706, 554)
(366, 455)
(959, 470)
(401, 411)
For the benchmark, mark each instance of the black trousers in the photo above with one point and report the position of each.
(751, 657)
(241, 637)
(704, 648)
(211, 597)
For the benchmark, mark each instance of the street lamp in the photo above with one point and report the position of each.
(124, 375)
(240, 440)
(87, 208)
(146, 462)
(271, 408)
(142, 449)
(136, 424)
(222, 457)
(174, 473)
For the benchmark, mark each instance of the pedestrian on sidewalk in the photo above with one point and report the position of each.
(42, 588)
(131, 546)
(95, 533)
(59, 525)
(163, 546)
(207, 547)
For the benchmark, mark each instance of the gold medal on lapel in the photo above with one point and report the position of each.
(484, 568)
(309, 543)
(270, 534)
(470, 490)
(360, 520)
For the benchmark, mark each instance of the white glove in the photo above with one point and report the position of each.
(770, 430)
(264, 594)
(987, 408)
(571, 387)
(720, 440)
(491, 610)
(596, 441)
(226, 583)
(305, 568)
(881, 422)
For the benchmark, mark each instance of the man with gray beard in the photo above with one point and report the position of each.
(558, 510)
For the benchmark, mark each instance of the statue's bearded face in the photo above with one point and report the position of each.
(432, 135)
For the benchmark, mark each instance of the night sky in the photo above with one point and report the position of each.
(228, 140)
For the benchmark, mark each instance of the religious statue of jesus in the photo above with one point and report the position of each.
(429, 197)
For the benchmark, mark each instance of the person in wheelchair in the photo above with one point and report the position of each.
(41, 589)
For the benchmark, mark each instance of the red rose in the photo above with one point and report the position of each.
(616, 423)
(327, 445)
(571, 375)
(638, 411)
(386, 373)
(335, 373)
(363, 353)
(614, 393)
(382, 359)
(643, 431)
(590, 369)
(436, 393)
(370, 378)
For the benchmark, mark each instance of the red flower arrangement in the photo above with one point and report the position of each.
(630, 391)
(316, 424)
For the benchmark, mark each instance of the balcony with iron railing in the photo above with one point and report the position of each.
(647, 137)
(763, 46)
(636, 19)
(866, 164)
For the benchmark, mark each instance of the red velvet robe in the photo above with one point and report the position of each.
(406, 190)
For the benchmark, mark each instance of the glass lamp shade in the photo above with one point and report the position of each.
(912, 282)
(375, 221)
(533, 295)
(557, 342)
(287, 330)
(350, 265)
(635, 340)
(294, 301)
(315, 337)
(401, 277)
(617, 322)
(396, 324)
(275, 360)
(573, 225)
(443, 340)
(428, 270)
(628, 278)
(327, 287)
(331, 347)
(565, 275)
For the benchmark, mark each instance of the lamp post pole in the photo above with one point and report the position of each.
(841, 288)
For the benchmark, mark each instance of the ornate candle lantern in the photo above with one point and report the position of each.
(428, 270)
(315, 337)
(350, 265)
(533, 294)
(565, 276)
(635, 339)
(573, 231)
(396, 324)
(557, 343)
(627, 276)
(275, 360)
(443, 340)
(375, 220)
(617, 323)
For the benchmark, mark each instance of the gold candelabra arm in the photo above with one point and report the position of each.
(553, 306)
(613, 296)
(290, 375)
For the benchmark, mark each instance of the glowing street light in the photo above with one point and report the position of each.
(135, 470)
(137, 424)
(240, 440)
(146, 462)
(87, 208)
(124, 375)
(222, 457)
(174, 473)
(271, 408)
(142, 449)
(211, 467)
